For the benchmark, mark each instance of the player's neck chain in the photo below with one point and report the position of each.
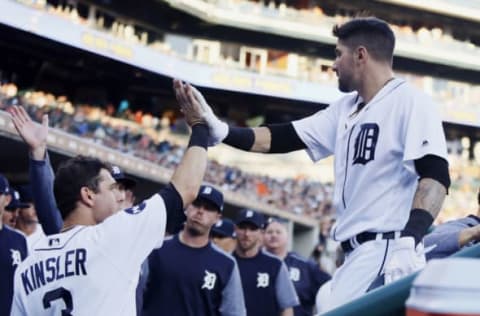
(67, 228)
(361, 105)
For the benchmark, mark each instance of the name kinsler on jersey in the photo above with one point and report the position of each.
(54, 268)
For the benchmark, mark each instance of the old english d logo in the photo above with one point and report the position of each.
(365, 143)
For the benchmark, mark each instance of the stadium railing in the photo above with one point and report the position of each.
(390, 299)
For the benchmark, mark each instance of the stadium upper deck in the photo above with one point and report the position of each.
(276, 25)
(215, 64)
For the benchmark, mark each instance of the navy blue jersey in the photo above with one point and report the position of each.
(307, 279)
(266, 284)
(192, 281)
(13, 249)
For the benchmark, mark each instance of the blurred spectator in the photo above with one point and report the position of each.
(325, 251)
(305, 275)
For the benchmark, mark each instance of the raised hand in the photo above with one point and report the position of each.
(217, 128)
(32, 133)
(189, 105)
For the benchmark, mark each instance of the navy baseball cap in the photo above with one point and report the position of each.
(212, 195)
(120, 176)
(16, 202)
(4, 185)
(252, 217)
(224, 228)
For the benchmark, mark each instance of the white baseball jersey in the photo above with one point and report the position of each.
(37, 235)
(374, 153)
(90, 270)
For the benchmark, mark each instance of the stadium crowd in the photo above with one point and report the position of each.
(141, 135)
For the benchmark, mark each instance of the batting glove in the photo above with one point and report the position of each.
(217, 128)
(405, 259)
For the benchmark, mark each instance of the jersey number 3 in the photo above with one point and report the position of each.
(59, 294)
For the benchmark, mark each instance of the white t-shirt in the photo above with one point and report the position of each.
(374, 153)
(90, 270)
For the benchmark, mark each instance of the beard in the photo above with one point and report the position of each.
(195, 229)
(346, 80)
(344, 86)
(246, 245)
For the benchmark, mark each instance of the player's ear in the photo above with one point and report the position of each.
(361, 54)
(86, 196)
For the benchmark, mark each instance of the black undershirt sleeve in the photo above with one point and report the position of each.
(174, 208)
(434, 167)
(284, 138)
(240, 137)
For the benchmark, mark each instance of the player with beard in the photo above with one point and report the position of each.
(189, 275)
(391, 168)
(265, 280)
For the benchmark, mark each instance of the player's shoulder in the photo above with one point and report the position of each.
(156, 201)
(297, 257)
(346, 100)
(222, 254)
(406, 90)
(86, 235)
(170, 243)
(268, 256)
(343, 104)
(13, 233)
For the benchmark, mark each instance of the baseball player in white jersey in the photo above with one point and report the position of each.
(390, 159)
(91, 267)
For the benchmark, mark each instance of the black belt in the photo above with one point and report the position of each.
(352, 243)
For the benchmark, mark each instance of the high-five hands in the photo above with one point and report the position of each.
(191, 100)
(189, 105)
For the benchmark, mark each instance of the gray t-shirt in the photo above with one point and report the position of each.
(444, 239)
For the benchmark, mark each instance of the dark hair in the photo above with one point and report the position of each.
(371, 32)
(71, 176)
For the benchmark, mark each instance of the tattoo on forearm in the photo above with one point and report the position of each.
(429, 196)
